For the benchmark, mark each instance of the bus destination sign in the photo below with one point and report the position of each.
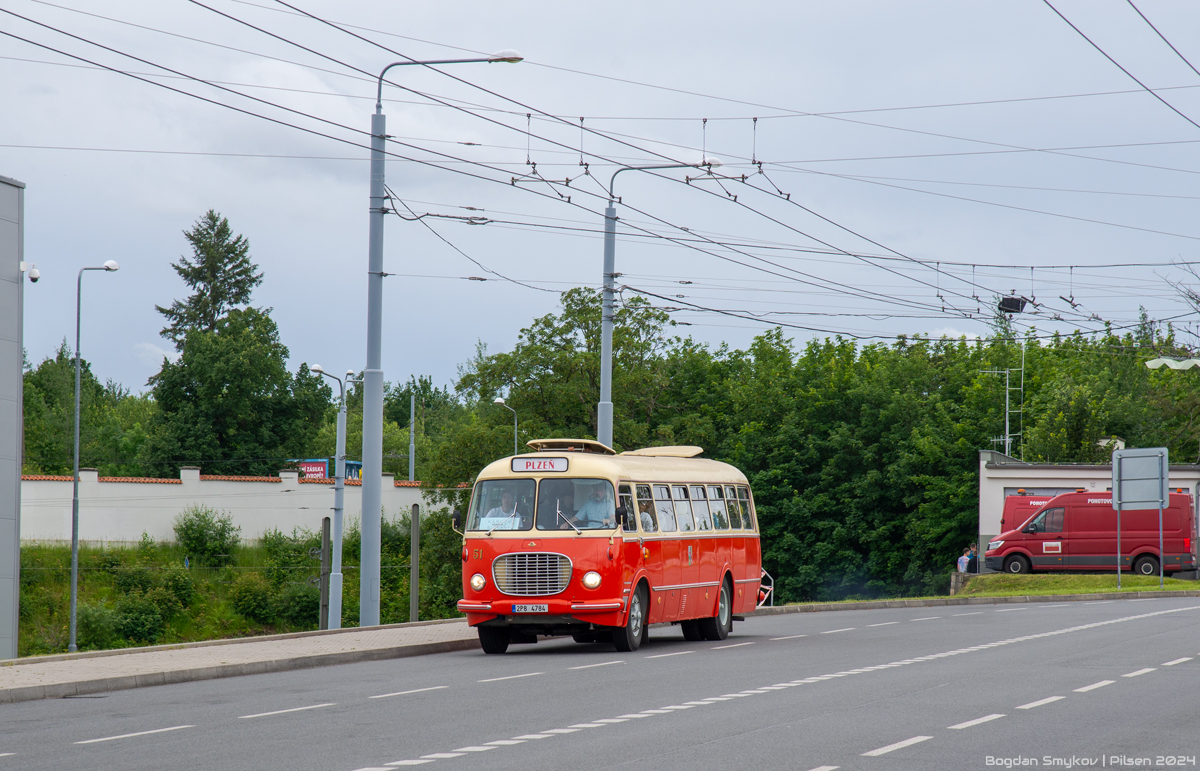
(526, 465)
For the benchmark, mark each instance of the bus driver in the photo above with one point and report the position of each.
(598, 509)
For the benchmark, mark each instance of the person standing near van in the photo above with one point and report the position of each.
(964, 560)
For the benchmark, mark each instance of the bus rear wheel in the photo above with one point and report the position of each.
(629, 637)
(493, 639)
(1016, 564)
(1146, 566)
(719, 626)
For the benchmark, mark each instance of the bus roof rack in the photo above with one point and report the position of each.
(680, 451)
(570, 445)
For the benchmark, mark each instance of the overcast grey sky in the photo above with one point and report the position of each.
(930, 154)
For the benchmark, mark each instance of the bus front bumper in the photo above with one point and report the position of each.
(542, 611)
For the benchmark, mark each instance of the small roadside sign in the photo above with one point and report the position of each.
(1139, 481)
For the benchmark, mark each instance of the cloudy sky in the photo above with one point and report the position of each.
(917, 159)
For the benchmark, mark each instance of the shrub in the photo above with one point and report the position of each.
(110, 562)
(97, 626)
(133, 580)
(251, 597)
(299, 605)
(207, 535)
(167, 603)
(179, 582)
(139, 619)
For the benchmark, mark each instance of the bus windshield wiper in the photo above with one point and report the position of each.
(506, 519)
(558, 509)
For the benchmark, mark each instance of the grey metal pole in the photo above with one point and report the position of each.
(71, 647)
(339, 482)
(323, 620)
(604, 410)
(1117, 495)
(414, 565)
(1162, 558)
(412, 437)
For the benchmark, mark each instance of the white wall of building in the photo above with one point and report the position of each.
(120, 509)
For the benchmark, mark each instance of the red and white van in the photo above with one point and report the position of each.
(1078, 531)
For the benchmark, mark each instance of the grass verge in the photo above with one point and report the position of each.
(1004, 585)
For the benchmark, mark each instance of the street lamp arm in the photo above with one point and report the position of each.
(506, 56)
(707, 162)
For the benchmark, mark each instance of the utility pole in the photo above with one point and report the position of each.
(412, 437)
(1007, 438)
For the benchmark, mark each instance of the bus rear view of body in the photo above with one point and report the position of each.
(574, 539)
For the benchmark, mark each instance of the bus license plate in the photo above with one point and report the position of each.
(530, 608)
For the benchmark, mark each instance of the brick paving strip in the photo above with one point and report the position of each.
(76, 674)
(51, 677)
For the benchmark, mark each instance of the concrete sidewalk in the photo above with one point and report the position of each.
(50, 677)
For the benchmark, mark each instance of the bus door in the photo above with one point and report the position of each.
(709, 549)
(664, 555)
(631, 548)
(739, 545)
(689, 548)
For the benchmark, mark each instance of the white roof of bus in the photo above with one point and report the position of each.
(632, 467)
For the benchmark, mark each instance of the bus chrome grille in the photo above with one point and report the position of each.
(531, 574)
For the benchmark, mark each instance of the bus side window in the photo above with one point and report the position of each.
(683, 510)
(700, 508)
(626, 500)
(645, 510)
(735, 508)
(747, 508)
(716, 502)
(666, 510)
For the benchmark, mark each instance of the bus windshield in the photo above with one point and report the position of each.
(580, 504)
(502, 504)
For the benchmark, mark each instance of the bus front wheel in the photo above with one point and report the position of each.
(493, 639)
(629, 637)
(719, 626)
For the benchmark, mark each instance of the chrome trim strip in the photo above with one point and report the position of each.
(685, 586)
(748, 581)
(464, 605)
(596, 606)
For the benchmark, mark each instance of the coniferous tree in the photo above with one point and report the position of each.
(221, 273)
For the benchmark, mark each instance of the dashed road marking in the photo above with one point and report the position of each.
(976, 721)
(664, 655)
(927, 618)
(735, 645)
(401, 763)
(1094, 686)
(405, 693)
(506, 742)
(1010, 610)
(285, 711)
(510, 677)
(535, 736)
(474, 748)
(1140, 672)
(127, 736)
(885, 623)
(633, 715)
(896, 746)
(974, 613)
(1040, 702)
(560, 731)
(1177, 661)
(826, 768)
(601, 664)
(790, 637)
(443, 755)
(835, 631)
(588, 725)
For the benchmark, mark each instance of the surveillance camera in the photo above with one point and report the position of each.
(34, 275)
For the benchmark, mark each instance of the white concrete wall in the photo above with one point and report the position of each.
(121, 509)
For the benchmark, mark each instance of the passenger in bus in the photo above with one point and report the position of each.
(647, 516)
(504, 516)
(598, 510)
(556, 506)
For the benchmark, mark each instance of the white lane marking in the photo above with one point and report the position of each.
(474, 749)
(735, 645)
(753, 690)
(613, 720)
(506, 742)
(975, 722)
(734, 695)
(443, 755)
(772, 687)
(510, 677)
(405, 693)
(1177, 661)
(1010, 610)
(535, 736)
(826, 768)
(835, 631)
(560, 731)
(975, 613)
(885, 623)
(649, 712)
(139, 733)
(790, 637)
(285, 711)
(927, 618)
(633, 716)
(677, 706)
(588, 725)
(717, 698)
(601, 664)
(1102, 602)
(1140, 672)
(1060, 605)
(896, 746)
(1040, 702)
(376, 768)
(403, 763)
(664, 655)
(1094, 686)
(705, 703)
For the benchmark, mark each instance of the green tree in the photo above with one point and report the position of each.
(221, 273)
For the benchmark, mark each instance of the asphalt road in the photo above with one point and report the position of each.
(921, 688)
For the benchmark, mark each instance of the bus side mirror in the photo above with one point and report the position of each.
(622, 516)
(456, 520)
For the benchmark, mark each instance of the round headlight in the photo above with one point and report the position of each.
(478, 582)
(591, 579)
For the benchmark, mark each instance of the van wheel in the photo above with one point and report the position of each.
(1016, 564)
(629, 637)
(719, 626)
(493, 639)
(1146, 566)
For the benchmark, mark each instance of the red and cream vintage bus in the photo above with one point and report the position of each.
(575, 539)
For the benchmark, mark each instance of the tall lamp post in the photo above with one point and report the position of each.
(500, 401)
(339, 486)
(109, 266)
(604, 410)
(372, 469)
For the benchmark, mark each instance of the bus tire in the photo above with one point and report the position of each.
(719, 626)
(1016, 564)
(691, 630)
(1146, 566)
(629, 637)
(493, 639)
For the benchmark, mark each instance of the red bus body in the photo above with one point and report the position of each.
(1078, 531)
(682, 572)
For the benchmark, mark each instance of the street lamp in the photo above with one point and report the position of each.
(109, 266)
(500, 401)
(339, 483)
(372, 469)
(604, 410)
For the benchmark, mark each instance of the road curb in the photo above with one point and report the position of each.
(818, 607)
(125, 682)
